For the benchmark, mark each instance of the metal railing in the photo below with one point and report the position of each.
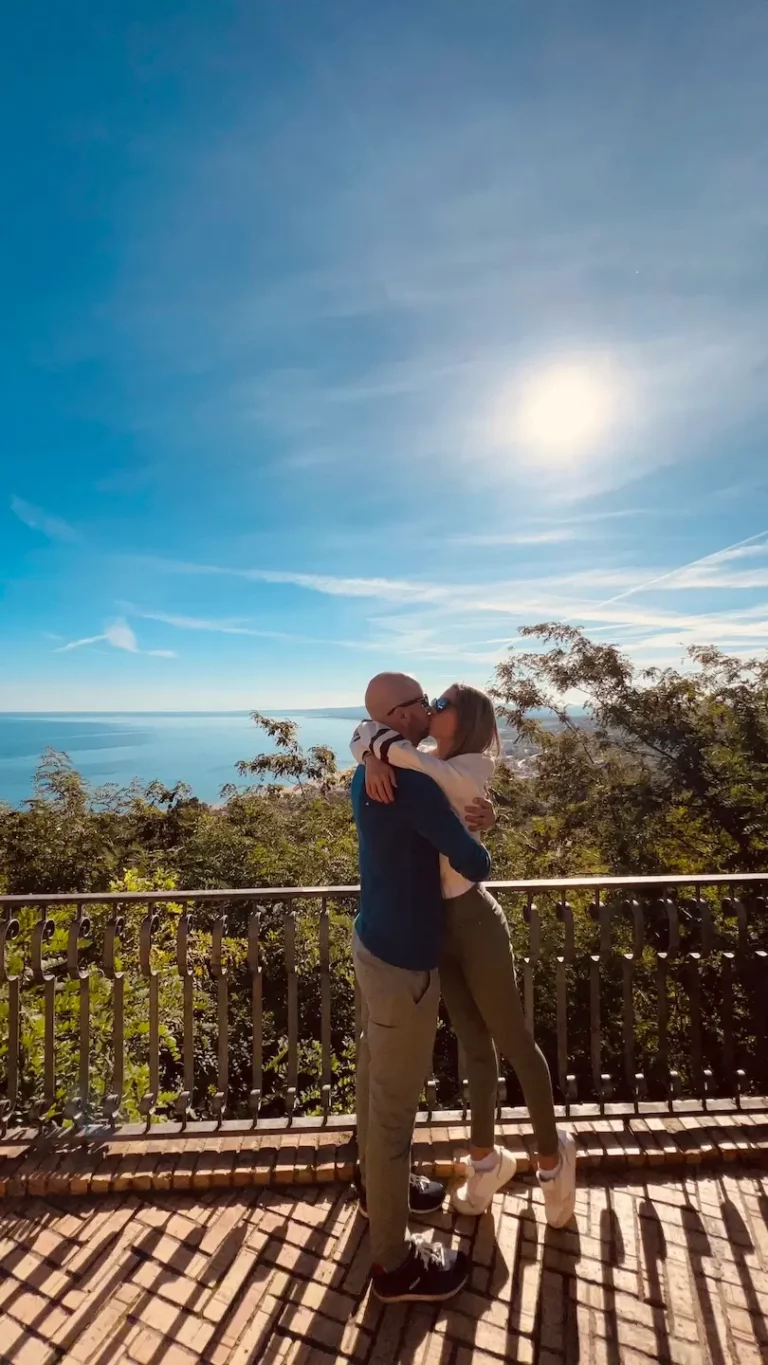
(238, 1008)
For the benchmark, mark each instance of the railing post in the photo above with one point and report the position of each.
(254, 967)
(114, 931)
(77, 1109)
(531, 916)
(325, 1009)
(9, 931)
(601, 1080)
(706, 925)
(759, 990)
(185, 1098)
(219, 974)
(42, 933)
(694, 998)
(734, 965)
(292, 1069)
(149, 926)
(635, 1079)
(566, 1080)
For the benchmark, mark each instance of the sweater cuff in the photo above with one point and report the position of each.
(382, 742)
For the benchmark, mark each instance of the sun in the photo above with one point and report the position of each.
(561, 413)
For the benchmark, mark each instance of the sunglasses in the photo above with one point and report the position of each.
(422, 700)
(441, 704)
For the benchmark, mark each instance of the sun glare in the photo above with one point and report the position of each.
(559, 414)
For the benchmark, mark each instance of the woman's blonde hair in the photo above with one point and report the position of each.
(476, 728)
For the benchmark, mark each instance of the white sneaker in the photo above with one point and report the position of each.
(475, 1194)
(560, 1192)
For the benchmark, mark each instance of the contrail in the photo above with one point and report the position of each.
(662, 578)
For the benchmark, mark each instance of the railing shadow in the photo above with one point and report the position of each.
(655, 1254)
(526, 1258)
(612, 1240)
(699, 1247)
(741, 1244)
(557, 1324)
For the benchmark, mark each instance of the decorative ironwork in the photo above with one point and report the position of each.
(594, 953)
(113, 933)
(9, 931)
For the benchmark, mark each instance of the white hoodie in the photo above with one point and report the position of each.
(462, 779)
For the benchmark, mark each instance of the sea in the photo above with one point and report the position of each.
(199, 748)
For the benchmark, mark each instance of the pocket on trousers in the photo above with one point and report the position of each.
(422, 983)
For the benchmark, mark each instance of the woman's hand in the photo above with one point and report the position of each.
(480, 816)
(380, 780)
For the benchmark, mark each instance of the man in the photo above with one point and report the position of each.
(395, 950)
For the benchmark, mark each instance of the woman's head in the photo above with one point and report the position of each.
(464, 722)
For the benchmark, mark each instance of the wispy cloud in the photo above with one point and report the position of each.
(686, 576)
(388, 589)
(494, 596)
(38, 520)
(565, 595)
(390, 634)
(553, 537)
(119, 635)
(225, 627)
(430, 620)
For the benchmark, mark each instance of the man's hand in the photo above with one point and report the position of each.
(380, 780)
(480, 816)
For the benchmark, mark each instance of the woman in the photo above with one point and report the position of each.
(477, 968)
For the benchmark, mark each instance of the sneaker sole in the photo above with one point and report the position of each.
(477, 1211)
(421, 1298)
(433, 1208)
(566, 1218)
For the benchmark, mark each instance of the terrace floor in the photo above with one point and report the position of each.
(659, 1266)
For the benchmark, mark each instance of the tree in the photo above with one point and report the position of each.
(290, 762)
(668, 770)
(663, 771)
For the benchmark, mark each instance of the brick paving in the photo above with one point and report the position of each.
(655, 1268)
(200, 1159)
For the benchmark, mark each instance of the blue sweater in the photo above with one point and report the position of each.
(401, 905)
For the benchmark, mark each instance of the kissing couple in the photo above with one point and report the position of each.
(427, 926)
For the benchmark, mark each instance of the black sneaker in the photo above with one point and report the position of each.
(424, 1196)
(430, 1273)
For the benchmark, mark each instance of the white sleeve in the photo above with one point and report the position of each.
(362, 739)
(454, 776)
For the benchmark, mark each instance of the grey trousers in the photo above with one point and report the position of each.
(399, 1022)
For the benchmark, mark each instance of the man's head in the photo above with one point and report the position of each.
(398, 700)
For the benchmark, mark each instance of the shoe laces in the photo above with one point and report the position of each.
(429, 1253)
(419, 1182)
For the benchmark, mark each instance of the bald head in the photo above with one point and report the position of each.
(395, 699)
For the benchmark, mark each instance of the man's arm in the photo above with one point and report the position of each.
(427, 810)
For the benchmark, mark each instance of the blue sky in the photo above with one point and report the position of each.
(343, 336)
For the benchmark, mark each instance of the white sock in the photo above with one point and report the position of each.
(554, 1173)
(487, 1163)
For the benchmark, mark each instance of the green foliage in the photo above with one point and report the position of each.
(669, 770)
(664, 771)
(291, 763)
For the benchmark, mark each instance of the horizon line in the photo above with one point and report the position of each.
(197, 711)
